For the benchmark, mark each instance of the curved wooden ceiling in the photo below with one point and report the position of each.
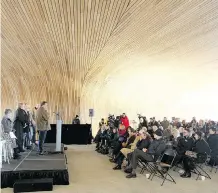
(64, 51)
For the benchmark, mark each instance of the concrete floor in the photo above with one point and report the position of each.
(91, 172)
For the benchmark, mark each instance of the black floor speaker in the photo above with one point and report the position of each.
(33, 185)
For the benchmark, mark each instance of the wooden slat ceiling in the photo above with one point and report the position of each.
(59, 50)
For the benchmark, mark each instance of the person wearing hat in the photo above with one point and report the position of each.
(213, 143)
(201, 148)
(155, 149)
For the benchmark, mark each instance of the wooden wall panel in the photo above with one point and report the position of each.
(48, 48)
(68, 51)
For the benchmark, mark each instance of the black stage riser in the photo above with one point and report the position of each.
(34, 166)
(9, 178)
(35, 185)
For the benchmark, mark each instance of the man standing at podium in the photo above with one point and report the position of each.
(42, 124)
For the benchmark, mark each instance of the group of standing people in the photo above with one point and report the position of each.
(25, 124)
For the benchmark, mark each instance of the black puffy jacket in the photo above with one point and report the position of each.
(184, 144)
(213, 143)
(144, 143)
(201, 147)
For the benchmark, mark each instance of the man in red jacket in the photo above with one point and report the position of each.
(124, 120)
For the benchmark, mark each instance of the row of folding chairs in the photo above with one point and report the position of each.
(161, 167)
(166, 162)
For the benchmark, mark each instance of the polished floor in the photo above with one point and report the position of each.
(91, 172)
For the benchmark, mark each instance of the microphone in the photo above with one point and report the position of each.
(56, 113)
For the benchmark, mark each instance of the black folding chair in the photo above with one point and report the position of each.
(199, 163)
(162, 166)
(214, 164)
(143, 165)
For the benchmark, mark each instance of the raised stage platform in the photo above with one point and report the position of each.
(34, 166)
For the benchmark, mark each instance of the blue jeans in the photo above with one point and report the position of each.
(26, 139)
(42, 137)
(33, 134)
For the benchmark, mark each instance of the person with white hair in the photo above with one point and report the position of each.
(7, 127)
(149, 154)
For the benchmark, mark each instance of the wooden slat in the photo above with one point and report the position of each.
(67, 51)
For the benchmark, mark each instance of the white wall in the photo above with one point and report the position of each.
(155, 91)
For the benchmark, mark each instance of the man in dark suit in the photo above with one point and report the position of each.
(20, 123)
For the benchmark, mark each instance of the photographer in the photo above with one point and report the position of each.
(124, 120)
(142, 122)
(117, 122)
(111, 121)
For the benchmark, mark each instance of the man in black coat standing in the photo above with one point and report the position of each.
(20, 123)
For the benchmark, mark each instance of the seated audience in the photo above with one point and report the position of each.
(165, 123)
(213, 144)
(103, 136)
(125, 148)
(142, 141)
(187, 138)
(201, 148)
(151, 154)
(122, 143)
(122, 132)
(167, 134)
(174, 131)
(184, 143)
(183, 124)
(193, 123)
(113, 138)
(96, 139)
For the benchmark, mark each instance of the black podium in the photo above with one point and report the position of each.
(71, 134)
